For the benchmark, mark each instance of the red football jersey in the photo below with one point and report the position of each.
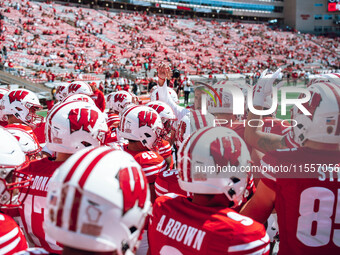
(308, 209)
(111, 137)
(40, 132)
(3, 123)
(178, 226)
(12, 239)
(164, 149)
(289, 140)
(32, 211)
(167, 182)
(151, 162)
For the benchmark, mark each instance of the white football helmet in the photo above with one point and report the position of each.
(116, 101)
(155, 97)
(141, 123)
(190, 123)
(210, 162)
(2, 93)
(94, 205)
(28, 143)
(12, 159)
(79, 97)
(23, 104)
(324, 124)
(79, 87)
(332, 77)
(165, 112)
(223, 89)
(74, 125)
(61, 92)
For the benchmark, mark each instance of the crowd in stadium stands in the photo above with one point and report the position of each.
(67, 41)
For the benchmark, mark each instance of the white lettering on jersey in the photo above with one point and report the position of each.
(40, 183)
(177, 230)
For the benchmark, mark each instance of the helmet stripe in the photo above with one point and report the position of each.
(191, 148)
(122, 121)
(49, 126)
(196, 121)
(204, 120)
(337, 96)
(68, 177)
(78, 195)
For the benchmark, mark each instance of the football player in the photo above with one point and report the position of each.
(11, 160)
(116, 102)
(167, 181)
(143, 128)
(70, 127)
(206, 224)
(168, 118)
(88, 213)
(3, 121)
(306, 199)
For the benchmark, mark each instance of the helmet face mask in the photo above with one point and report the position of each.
(11, 187)
(12, 181)
(167, 116)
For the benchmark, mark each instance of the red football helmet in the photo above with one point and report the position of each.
(12, 159)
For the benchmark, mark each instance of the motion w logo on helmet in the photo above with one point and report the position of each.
(82, 119)
(231, 153)
(119, 97)
(132, 192)
(18, 95)
(73, 88)
(147, 118)
(157, 108)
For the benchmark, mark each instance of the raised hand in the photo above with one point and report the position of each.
(264, 87)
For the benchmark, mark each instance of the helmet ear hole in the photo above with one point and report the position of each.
(231, 192)
(133, 229)
(147, 135)
(86, 144)
(235, 179)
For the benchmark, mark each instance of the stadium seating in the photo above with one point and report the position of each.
(65, 39)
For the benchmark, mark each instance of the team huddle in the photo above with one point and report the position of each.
(131, 179)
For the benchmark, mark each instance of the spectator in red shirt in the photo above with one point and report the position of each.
(98, 97)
